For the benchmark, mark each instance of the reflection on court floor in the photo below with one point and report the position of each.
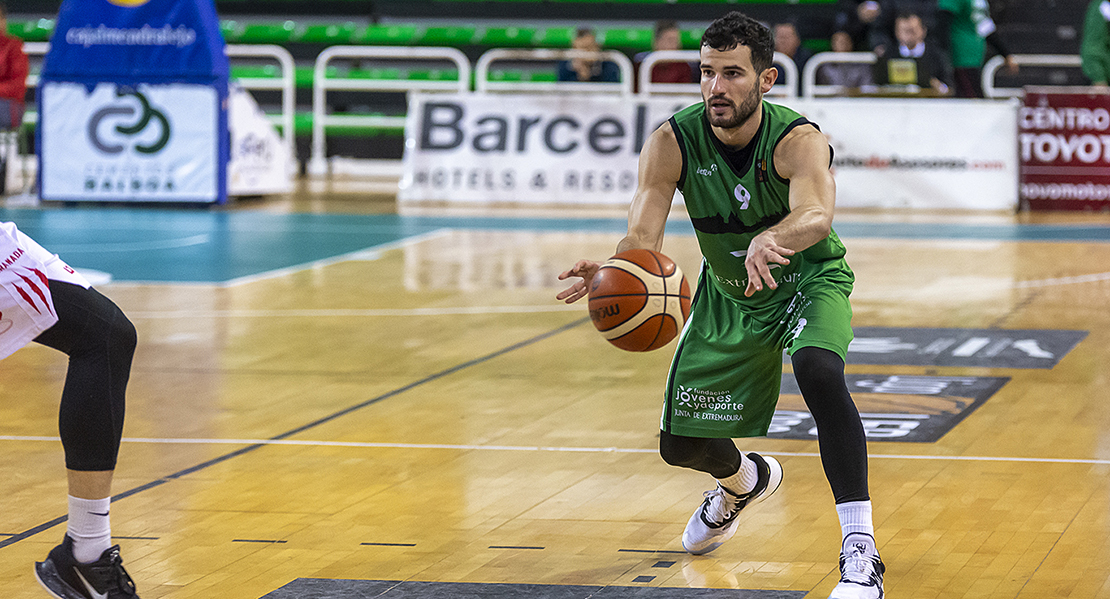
(306, 588)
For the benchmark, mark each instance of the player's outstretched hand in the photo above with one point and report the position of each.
(762, 253)
(580, 289)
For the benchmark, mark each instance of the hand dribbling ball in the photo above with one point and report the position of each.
(639, 300)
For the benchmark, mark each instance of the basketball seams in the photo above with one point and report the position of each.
(639, 305)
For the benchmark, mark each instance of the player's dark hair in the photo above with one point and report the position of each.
(737, 29)
(3, 13)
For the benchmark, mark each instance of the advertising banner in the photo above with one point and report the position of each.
(260, 161)
(151, 143)
(527, 148)
(1065, 148)
(920, 153)
(132, 103)
(583, 149)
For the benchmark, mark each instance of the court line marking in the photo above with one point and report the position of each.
(134, 246)
(542, 448)
(333, 416)
(371, 253)
(353, 312)
(469, 310)
(1091, 278)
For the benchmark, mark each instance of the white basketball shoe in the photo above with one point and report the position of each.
(861, 570)
(714, 522)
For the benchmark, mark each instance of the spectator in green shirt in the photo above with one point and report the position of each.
(1095, 50)
(965, 28)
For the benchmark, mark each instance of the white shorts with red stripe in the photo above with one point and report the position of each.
(26, 308)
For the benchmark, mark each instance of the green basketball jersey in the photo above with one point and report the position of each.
(729, 206)
(971, 24)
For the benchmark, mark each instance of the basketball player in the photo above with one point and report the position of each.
(758, 189)
(43, 299)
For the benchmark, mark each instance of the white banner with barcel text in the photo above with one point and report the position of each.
(583, 149)
(530, 148)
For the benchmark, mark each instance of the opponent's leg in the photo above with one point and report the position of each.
(741, 481)
(843, 445)
(100, 343)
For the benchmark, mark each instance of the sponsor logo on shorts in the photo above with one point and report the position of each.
(703, 404)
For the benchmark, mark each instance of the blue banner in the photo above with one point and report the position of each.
(133, 103)
(151, 40)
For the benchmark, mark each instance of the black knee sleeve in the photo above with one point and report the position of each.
(718, 457)
(820, 376)
(100, 342)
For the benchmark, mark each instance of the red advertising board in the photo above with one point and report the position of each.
(1064, 144)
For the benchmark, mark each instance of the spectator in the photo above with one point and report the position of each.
(585, 69)
(965, 28)
(1095, 50)
(847, 75)
(788, 42)
(869, 22)
(666, 37)
(13, 76)
(914, 62)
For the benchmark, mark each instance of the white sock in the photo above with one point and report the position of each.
(89, 527)
(855, 516)
(745, 478)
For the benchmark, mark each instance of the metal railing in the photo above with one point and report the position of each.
(991, 68)
(483, 84)
(286, 82)
(810, 87)
(322, 84)
(787, 89)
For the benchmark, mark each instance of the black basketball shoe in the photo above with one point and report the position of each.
(64, 578)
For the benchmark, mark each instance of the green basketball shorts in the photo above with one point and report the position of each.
(725, 375)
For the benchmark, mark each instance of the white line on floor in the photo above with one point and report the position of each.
(463, 447)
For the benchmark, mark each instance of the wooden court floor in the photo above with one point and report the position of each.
(429, 412)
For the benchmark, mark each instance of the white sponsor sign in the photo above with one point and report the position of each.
(921, 153)
(531, 148)
(260, 162)
(583, 149)
(150, 143)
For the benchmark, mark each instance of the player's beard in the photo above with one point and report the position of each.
(740, 114)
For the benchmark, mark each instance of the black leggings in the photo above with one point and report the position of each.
(820, 376)
(100, 343)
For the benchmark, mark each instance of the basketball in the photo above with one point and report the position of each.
(639, 300)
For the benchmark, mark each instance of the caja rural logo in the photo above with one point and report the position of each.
(148, 114)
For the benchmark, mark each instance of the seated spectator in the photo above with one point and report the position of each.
(584, 69)
(870, 23)
(666, 37)
(913, 61)
(13, 76)
(848, 75)
(788, 42)
(13, 87)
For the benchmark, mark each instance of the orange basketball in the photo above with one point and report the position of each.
(639, 300)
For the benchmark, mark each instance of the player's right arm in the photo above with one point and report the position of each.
(660, 168)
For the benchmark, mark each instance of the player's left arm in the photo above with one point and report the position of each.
(802, 158)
